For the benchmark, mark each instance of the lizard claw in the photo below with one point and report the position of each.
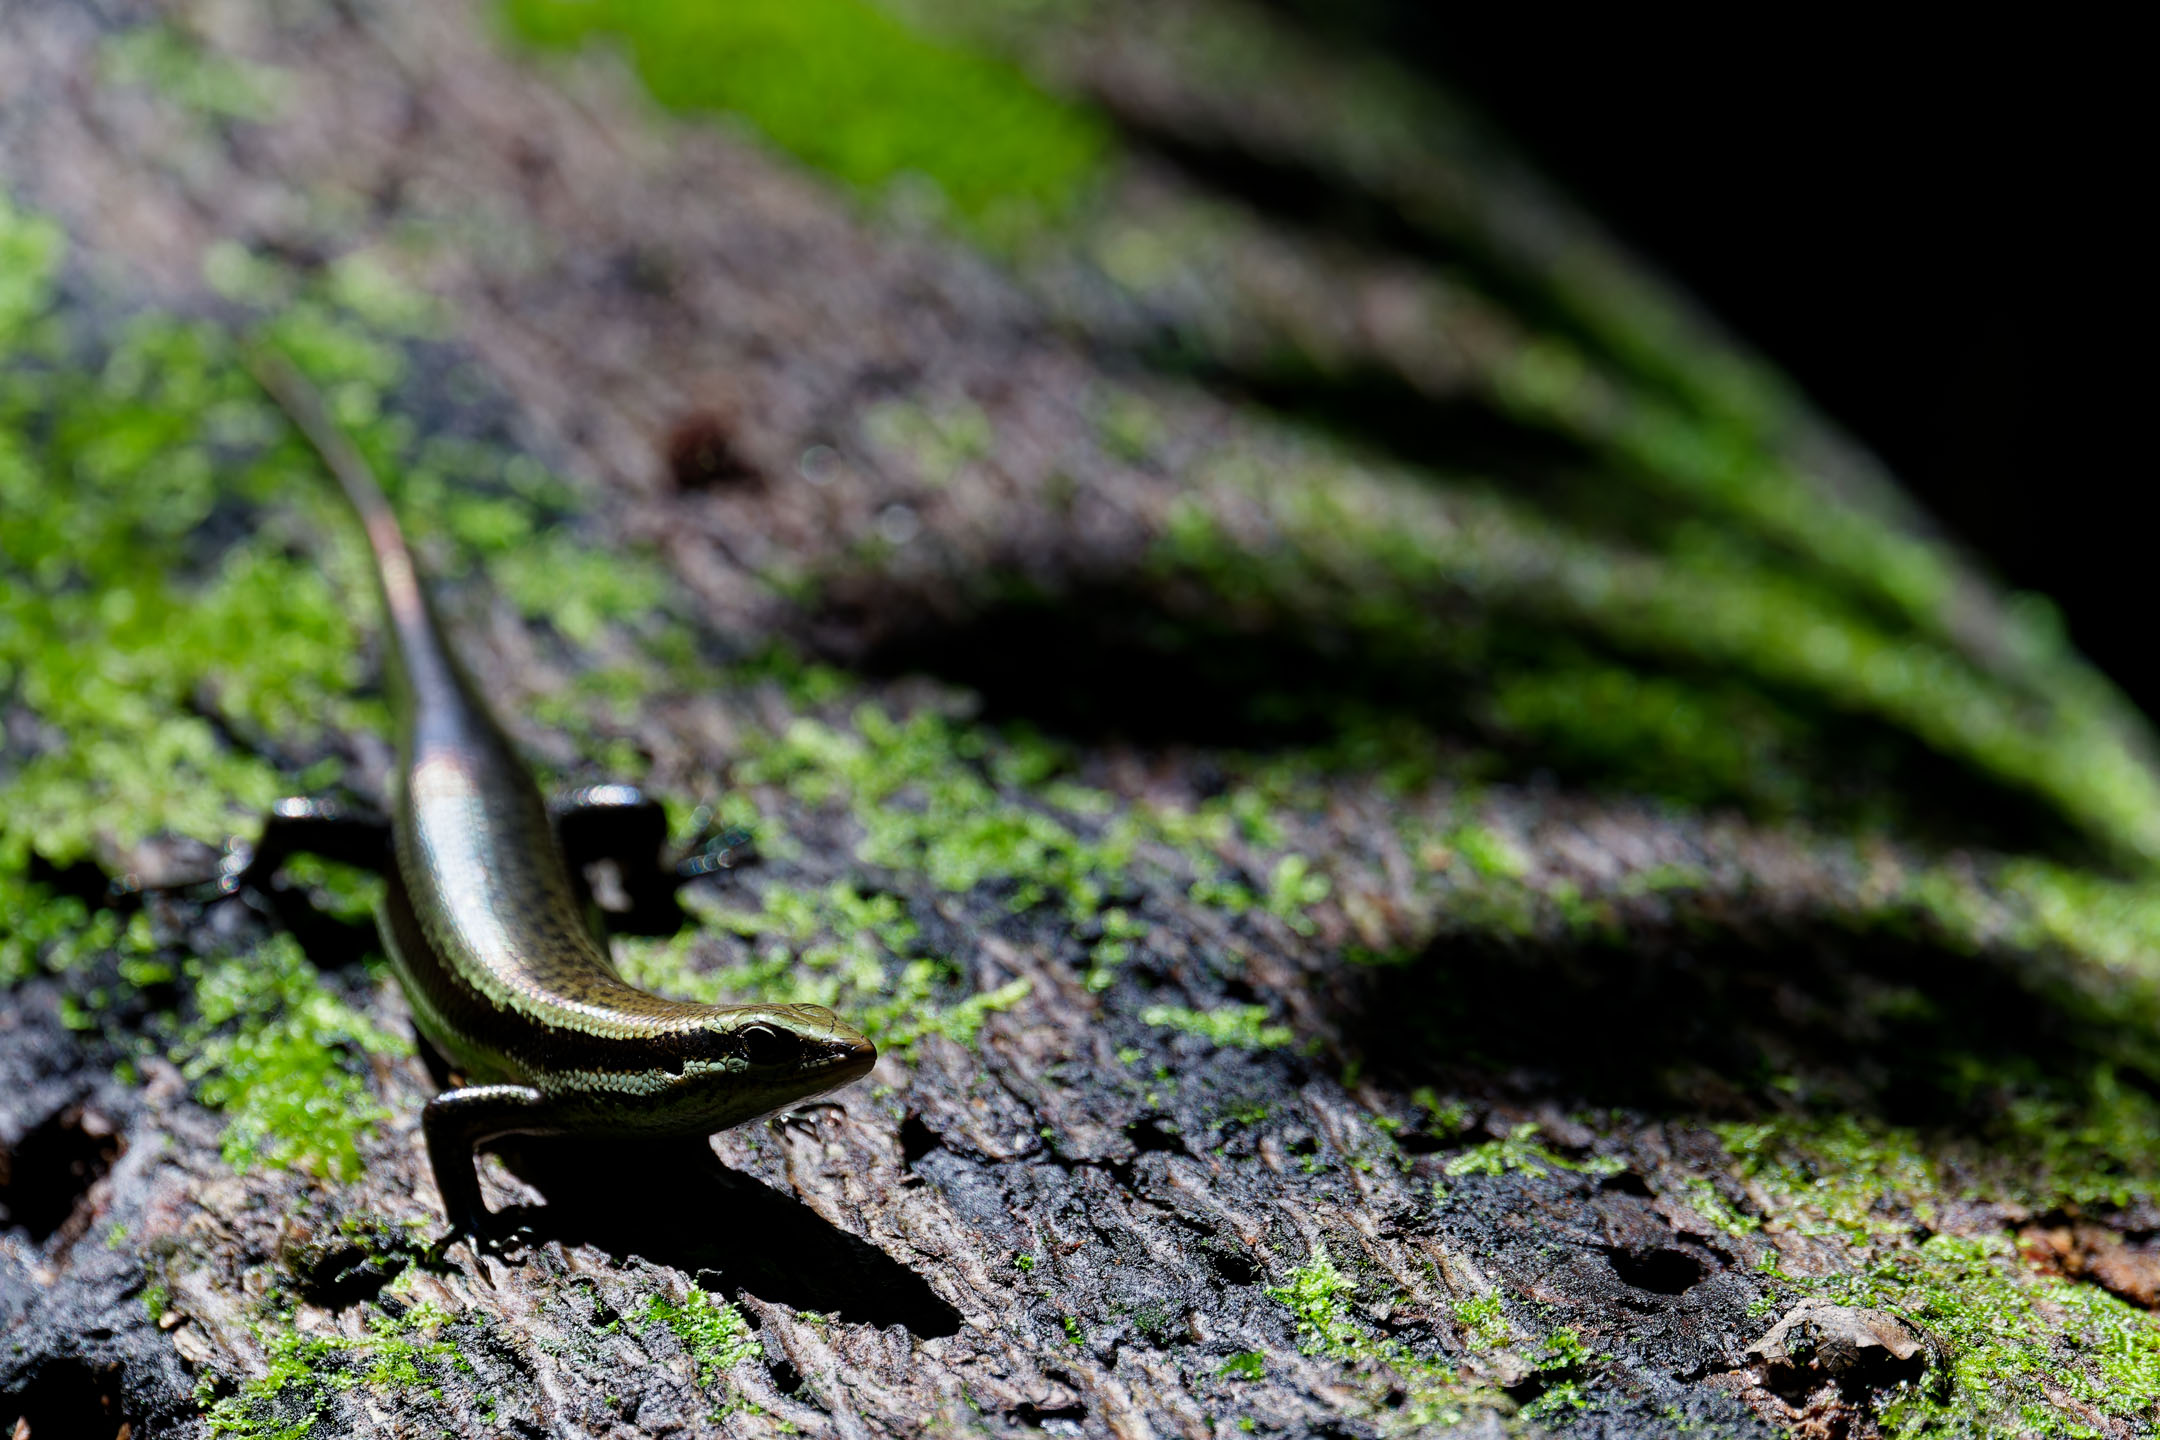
(731, 847)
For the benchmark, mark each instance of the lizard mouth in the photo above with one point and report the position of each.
(845, 1058)
(838, 1054)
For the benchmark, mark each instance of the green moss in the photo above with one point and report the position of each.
(1556, 1402)
(965, 806)
(1119, 931)
(1315, 1293)
(2023, 1349)
(1490, 853)
(912, 1013)
(1431, 1395)
(1248, 1365)
(1244, 1027)
(1347, 547)
(363, 284)
(2115, 924)
(119, 631)
(48, 932)
(1654, 733)
(1293, 886)
(832, 947)
(847, 88)
(344, 892)
(923, 807)
(196, 77)
(574, 587)
(1131, 428)
(2019, 1345)
(31, 249)
(935, 441)
(308, 1372)
(712, 1331)
(282, 1057)
(1563, 1349)
(1704, 1197)
(1482, 1321)
(1517, 1150)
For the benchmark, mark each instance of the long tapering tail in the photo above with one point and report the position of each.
(418, 650)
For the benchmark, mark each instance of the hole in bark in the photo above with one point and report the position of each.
(1234, 1266)
(1147, 1134)
(701, 453)
(1661, 1272)
(45, 1175)
(1627, 1182)
(344, 1275)
(1030, 1413)
(641, 272)
(785, 1377)
(67, 1397)
(916, 1140)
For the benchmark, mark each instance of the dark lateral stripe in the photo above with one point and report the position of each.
(499, 1042)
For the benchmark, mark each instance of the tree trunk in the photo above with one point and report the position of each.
(1423, 845)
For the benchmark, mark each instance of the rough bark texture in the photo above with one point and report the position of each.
(1549, 900)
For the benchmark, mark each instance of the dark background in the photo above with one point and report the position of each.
(1933, 232)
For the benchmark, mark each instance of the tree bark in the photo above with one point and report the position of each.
(1452, 962)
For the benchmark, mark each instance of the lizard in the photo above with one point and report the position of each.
(486, 920)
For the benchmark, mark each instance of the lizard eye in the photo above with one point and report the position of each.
(769, 1044)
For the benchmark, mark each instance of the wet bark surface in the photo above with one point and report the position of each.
(1379, 1107)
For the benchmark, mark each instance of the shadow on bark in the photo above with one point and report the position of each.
(1735, 1018)
(675, 1204)
(1162, 662)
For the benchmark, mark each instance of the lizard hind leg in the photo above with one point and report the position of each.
(306, 825)
(352, 834)
(621, 826)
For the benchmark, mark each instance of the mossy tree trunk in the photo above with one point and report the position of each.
(1424, 847)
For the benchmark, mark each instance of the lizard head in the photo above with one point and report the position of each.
(749, 1060)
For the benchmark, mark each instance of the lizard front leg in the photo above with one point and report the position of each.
(456, 1121)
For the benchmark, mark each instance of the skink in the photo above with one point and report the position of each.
(507, 975)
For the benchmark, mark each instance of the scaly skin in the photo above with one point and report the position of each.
(489, 935)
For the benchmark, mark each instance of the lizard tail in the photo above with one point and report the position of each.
(396, 574)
